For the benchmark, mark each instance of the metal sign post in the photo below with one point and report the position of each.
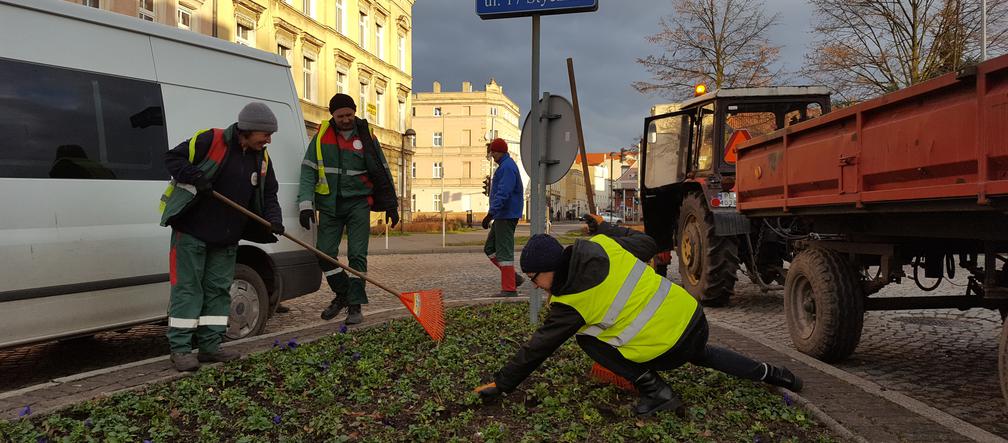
(494, 9)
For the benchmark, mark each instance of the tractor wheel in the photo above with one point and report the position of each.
(823, 304)
(249, 304)
(707, 263)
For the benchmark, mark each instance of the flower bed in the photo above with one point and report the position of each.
(391, 383)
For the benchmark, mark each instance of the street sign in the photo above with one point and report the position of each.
(561, 139)
(491, 9)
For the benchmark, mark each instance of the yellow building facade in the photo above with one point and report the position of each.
(362, 48)
(453, 129)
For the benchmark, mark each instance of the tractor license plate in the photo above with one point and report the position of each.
(727, 199)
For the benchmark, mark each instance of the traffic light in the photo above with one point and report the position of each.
(486, 186)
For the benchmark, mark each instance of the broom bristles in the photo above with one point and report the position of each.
(428, 308)
(601, 373)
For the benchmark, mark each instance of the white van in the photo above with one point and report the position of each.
(89, 102)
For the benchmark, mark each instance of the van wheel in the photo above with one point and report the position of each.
(708, 264)
(249, 304)
(823, 304)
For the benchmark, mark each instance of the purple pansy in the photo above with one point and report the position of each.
(276, 342)
(88, 422)
(25, 411)
(292, 343)
(276, 419)
(787, 400)
(356, 356)
(342, 329)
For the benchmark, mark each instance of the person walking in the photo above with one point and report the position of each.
(344, 176)
(506, 202)
(205, 232)
(625, 316)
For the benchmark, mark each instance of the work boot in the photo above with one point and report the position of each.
(519, 279)
(506, 294)
(220, 355)
(334, 308)
(184, 361)
(656, 395)
(781, 376)
(354, 315)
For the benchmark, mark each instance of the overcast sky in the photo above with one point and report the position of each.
(451, 44)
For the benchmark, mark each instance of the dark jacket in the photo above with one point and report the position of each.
(210, 220)
(584, 265)
(383, 190)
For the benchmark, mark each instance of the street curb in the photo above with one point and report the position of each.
(445, 250)
(946, 420)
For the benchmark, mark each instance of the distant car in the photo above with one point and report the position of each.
(612, 218)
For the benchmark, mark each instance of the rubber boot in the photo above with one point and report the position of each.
(354, 315)
(334, 308)
(781, 376)
(656, 395)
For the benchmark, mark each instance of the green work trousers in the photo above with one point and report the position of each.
(200, 276)
(354, 215)
(499, 248)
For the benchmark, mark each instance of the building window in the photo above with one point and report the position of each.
(467, 169)
(413, 170)
(92, 3)
(340, 16)
(379, 40)
(413, 201)
(245, 35)
(285, 52)
(493, 111)
(145, 10)
(402, 52)
(438, 170)
(437, 112)
(380, 108)
(363, 30)
(185, 16)
(309, 78)
(308, 6)
(341, 82)
(402, 116)
(437, 202)
(438, 139)
(362, 101)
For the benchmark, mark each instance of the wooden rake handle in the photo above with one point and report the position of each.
(311, 248)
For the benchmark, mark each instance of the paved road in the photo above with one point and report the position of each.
(946, 359)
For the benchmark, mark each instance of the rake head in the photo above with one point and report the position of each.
(428, 308)
(600, 373)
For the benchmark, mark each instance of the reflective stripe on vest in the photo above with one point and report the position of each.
(635, 310)
(322, 186)
(218, 147)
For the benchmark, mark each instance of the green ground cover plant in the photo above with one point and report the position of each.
(391, 383)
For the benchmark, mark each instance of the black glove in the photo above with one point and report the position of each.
(392, 215)
(593, 221)
(486, 221)
(277, 228)
(307, 218)
(203, 186)
(489, 391)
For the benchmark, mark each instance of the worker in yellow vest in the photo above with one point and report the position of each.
(625, 316)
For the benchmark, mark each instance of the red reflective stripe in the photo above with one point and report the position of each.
(370, 201)
(366, 181)
(218, 147)
(171, 266)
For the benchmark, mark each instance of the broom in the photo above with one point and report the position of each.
(600, 373)
(426, 306)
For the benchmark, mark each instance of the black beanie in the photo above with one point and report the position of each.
(341, 101)
(542, 253)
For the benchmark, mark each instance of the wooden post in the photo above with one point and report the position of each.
(581, 142)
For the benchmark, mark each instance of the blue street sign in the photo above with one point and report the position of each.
(491, 9)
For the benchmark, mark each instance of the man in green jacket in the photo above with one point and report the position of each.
(205, 231)
(625, 316)
(344, 176)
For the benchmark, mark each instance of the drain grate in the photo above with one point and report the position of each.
(933, 321)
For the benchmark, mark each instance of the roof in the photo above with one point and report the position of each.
(757, 92)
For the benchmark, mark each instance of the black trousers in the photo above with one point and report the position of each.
(692, 348)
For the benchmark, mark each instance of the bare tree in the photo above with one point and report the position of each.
(869, 47)
(719, 42)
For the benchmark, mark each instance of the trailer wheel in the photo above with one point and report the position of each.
(1003, 362)
(823, 304)
(249, 304)
(707, 263)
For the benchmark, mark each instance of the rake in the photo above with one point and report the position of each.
(427, 307)
(601, 373)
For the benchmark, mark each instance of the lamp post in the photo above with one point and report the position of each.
(409, 133)
(444, 139)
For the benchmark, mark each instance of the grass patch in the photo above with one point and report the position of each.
(391, 383)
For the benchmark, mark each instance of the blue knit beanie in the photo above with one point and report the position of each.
(541, 253)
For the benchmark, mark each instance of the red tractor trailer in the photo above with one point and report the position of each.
(834, 206)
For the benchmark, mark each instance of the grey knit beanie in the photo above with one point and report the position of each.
(256, 116)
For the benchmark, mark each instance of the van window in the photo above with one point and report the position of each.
(62, 123)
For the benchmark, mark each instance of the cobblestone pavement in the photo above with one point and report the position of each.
(943, 358)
